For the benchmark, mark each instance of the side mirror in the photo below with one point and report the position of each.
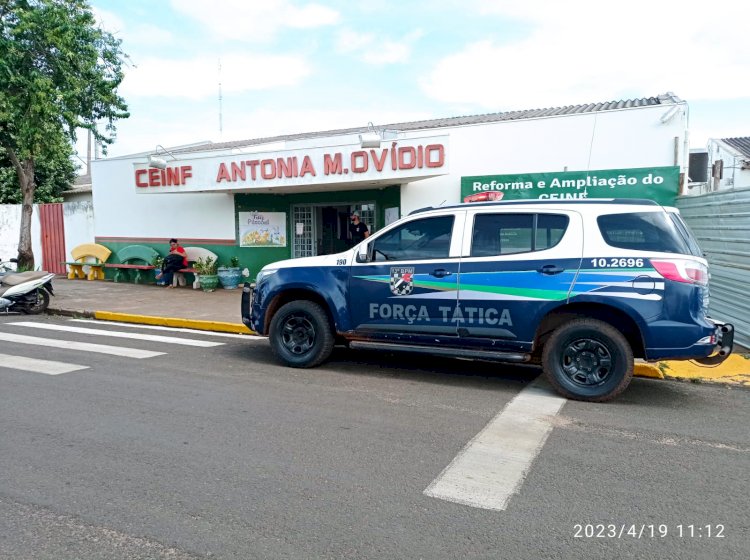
(363, 252)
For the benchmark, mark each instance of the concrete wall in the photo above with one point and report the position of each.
(79, 224)
(122, 212)
(78, 218)
(10, 231)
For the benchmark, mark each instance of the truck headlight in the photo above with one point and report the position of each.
(265, 273)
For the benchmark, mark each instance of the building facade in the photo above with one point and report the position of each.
(291, 196)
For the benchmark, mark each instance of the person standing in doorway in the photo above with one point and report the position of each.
(358, 230)
(174, 261)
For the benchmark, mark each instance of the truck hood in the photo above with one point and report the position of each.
(321, 260)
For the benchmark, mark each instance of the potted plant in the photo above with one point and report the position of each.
(206, 270)
(158, 263)
(230, 276)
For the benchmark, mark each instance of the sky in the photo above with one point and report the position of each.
(290, 66)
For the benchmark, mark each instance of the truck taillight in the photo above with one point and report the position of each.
(682, 270)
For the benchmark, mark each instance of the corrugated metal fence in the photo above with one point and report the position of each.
(721, 222)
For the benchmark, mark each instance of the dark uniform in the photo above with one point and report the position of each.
(358, 231)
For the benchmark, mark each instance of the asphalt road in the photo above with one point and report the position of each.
(217, 452)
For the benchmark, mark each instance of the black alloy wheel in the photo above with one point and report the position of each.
(301, 334)
(588, 360)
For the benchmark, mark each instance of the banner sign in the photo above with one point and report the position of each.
(660, 184)
(262, 229)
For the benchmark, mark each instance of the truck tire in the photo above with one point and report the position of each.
(301, 335)
(588, 360)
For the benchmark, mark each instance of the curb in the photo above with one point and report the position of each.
(70, 312)
(216, 326)
(735, 370)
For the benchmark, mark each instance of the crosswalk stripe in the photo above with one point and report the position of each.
(83, 346)
(37, 366)
(173, 329)
(118, 334)
(492, 467)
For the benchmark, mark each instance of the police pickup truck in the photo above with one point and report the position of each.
(581, 287)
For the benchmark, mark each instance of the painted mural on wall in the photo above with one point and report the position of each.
(262, 229)
(660, 184)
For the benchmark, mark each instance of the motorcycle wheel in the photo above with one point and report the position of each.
(39, 306)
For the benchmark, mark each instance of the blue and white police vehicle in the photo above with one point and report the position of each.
(581, 287)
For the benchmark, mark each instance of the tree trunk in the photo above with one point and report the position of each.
(25, 252)
(25, 172)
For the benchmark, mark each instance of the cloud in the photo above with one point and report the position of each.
(575, 53)
(255, 20)
(376, 50)
(199, 77)
(142, 34)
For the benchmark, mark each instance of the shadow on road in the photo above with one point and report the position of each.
(405, 365)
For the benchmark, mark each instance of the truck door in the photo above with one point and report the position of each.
(409, 287)
(517, 265)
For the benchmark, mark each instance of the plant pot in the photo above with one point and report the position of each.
(209, 282)
(159, 281)
(229, 277)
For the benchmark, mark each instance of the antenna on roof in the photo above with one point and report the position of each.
(221, 116)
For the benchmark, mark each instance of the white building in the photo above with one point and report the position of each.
(729, 160)
(290, 196)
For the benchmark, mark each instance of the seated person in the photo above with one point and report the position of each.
(174, 261)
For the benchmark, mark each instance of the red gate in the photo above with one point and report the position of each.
(53, 237)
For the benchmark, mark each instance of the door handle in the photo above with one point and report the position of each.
(550, 269)
(440, 273)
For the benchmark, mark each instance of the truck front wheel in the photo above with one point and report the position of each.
(588, 360)
(301, 335)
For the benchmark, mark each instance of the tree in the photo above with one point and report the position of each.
(52, 175)
(58, 72)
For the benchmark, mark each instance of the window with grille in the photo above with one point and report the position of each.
(303, 245)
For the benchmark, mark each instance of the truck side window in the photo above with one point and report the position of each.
(428, 238)
(506, 234)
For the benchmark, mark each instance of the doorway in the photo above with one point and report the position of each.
(323, 229)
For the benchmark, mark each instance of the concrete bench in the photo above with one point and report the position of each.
(88, 251)
(133, 257)
(193, 254)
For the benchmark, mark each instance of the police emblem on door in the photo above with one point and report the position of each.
(402, 281)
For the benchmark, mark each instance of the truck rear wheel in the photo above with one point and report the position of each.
(301, 335)
(588, 360)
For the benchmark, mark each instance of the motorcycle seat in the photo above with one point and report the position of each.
(16, 278)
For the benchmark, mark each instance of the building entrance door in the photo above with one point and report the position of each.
(323, 229)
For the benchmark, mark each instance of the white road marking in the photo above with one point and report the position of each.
(37, 366)
(494, 464)
(174, 329)
(82, 346)
(118, 334)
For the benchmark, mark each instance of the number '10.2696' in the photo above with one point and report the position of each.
(616, 263)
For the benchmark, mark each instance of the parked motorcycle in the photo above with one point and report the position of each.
(27, 292)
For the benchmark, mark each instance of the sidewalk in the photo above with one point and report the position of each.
(220, 311)
(149, 304)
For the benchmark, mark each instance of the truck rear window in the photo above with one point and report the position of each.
(643, 231)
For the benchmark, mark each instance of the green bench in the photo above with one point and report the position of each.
(133, 257)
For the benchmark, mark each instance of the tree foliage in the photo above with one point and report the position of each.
(59, 72)
(53, 174)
